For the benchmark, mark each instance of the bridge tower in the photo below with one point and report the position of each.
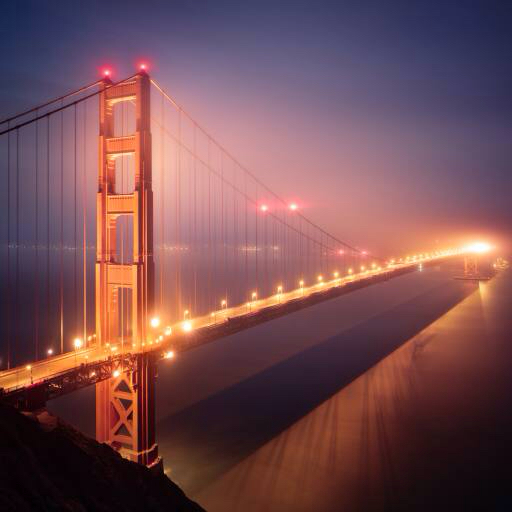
(125, 405)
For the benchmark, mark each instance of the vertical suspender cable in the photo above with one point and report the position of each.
(84, 220)
(75, 229)
(162, 203)
(210, 293)
(223, 243)
(61, 278)
(256, 215)
(9, 298)
(246, 234)
(48, 305)
(195, 248)
(178, 216)
(36, 277)
(235, 225)
(17, 302)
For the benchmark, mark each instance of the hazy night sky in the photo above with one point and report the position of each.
(389, 122)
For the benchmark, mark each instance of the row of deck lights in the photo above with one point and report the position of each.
(187, 323)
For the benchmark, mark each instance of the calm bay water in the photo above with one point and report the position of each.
(393, 397)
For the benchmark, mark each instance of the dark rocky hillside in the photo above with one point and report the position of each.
(46, 464)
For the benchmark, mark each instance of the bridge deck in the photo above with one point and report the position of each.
(64, 373)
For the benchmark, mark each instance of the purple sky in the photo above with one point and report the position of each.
(389, 123)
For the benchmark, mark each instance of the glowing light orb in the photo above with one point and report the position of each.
(478, 247)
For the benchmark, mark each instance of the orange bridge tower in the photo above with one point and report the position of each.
(125, 404)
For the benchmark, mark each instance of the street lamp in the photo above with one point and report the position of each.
(301, 286)
(29, 368)
(77, 343)
(254, 296)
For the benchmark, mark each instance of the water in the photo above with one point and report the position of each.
(299, 414)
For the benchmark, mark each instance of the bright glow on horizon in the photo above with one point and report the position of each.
(186, 326)
(293, 206)
(478, 247)
(155, 322)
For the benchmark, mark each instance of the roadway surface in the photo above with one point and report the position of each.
(178, 337)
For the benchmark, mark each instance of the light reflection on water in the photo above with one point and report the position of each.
(288, 415)
(425, 429)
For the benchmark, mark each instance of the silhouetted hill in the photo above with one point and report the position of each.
(46, 464)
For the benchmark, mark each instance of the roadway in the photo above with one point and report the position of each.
(171, 339)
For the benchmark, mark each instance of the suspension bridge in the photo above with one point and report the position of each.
(129, 235)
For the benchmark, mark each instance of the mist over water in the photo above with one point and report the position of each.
(303, 392)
